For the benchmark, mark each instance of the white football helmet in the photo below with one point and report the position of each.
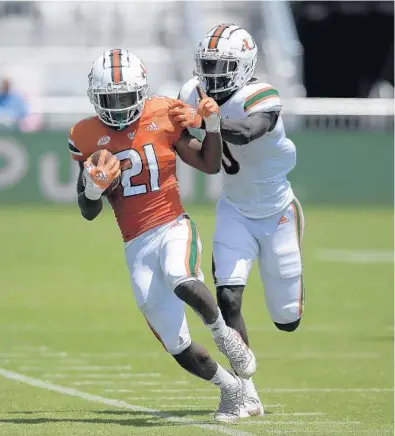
(225, 60)
(118, 87)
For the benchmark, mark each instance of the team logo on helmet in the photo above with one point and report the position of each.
(143, 70)
(246, 45)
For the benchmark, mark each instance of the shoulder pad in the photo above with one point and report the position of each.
(261, 97)
(78, 138)
(157, 110)
(188, 91)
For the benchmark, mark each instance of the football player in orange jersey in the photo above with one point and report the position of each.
(162, 243)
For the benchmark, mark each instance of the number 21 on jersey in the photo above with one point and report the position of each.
(137, 167)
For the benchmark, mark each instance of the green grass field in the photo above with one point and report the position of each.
(76, 357)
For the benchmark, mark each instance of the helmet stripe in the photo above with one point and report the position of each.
(234, 30)
(116, 68)
(216, 35)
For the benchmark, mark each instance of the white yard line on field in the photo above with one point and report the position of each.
(52, 355)
(265, 390)
(173, 398)
(78, 361)
(78, 364)
(43, 353)
(317, 328)
(267, 406)
(160, 390)
(13, 355)
(314, 328)
(304, 423)
(121, 354)
(296, 413)
(133, 382)
(330, 431)
(216, 398)
(318, 355)
(163, 391)
(100, 376)
(199, 406)
(79, 368)
(40, 363)
(356, 256)
(107, 382)
(326, 390)
(28, 348)
(213, 428)
(182, 406)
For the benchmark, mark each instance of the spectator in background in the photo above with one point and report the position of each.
(13, 108)
(14, 112)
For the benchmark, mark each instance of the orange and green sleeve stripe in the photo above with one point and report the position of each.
(260, 96)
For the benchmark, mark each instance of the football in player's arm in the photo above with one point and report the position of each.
(205, 156)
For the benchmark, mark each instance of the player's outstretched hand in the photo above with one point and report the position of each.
(184, 115)
(104, 173)
(208, 109)
(207, 105)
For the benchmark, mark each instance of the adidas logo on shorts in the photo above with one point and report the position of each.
(283, 220)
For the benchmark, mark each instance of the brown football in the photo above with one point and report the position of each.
(108, 155)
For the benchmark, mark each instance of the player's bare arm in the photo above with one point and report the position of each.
(206, 155)
(244, 131)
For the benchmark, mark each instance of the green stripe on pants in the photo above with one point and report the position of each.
(194, 253)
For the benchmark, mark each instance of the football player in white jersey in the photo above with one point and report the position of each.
(258, 215)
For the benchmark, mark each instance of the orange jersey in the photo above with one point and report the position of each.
(148, 194)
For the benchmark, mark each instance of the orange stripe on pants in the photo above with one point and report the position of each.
(298, 228)
(155, 333)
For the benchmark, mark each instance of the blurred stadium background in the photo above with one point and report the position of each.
(333, 63)
(318, 50)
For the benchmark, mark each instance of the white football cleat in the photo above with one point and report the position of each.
(231, 402)
(241, 358)
(252, 404)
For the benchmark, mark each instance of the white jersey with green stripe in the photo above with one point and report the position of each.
(254, 175)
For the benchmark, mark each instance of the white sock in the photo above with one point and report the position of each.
(248, 385)
(250, 389)
(219, 328)
(223, 378)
